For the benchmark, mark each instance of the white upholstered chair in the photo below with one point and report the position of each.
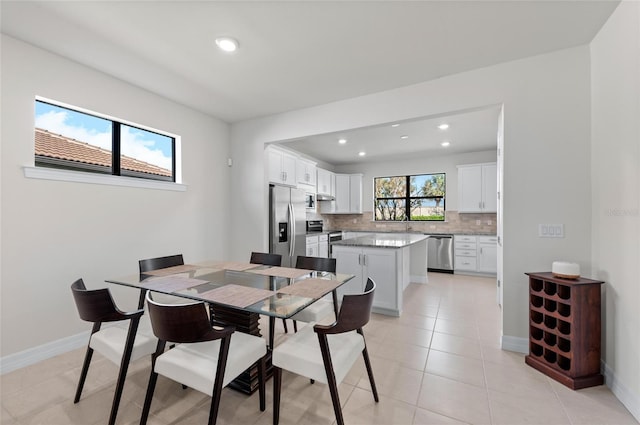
(118, 344)
(326, 353)
(207, 357)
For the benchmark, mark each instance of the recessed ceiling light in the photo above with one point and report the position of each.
(445, 144)
(404, 137)
(395, 125)
(362, 153)
(342, 141)
(227, 44)
(443, 126)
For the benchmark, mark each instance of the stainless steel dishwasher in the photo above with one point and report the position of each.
(440, 253)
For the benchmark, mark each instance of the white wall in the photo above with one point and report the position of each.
(55, 232)
(546, 155)
(419, 164)
(615, 168)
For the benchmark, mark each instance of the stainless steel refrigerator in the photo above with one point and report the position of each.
(287, 223)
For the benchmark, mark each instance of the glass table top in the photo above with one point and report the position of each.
(273, 291)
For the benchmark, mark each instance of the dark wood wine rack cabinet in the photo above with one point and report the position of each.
(564, 329)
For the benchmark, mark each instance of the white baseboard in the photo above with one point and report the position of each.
(630, 400)
(513, 343)
(42, 352)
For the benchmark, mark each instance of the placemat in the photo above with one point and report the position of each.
(282, 272)
(171, 283)
(310, 288)
(236, 295)
(172, 270)
(230, 265)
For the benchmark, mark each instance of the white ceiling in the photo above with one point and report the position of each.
(296, 54)
(471, 131)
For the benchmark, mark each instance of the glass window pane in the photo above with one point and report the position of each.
(390, 209)
(145, 154)
(427, 209)
(427, 185)
(390, 187)
(71, 140)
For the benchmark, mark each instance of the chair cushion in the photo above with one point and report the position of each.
(195, 365)
(110, 343)
(300, 353)
(315, 312)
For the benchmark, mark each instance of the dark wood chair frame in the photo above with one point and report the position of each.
(354, 314)
(189, 323)
(155, 264)
(320, 264)
(97, 306)
(269, 259)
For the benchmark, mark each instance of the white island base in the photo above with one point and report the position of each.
(391, 260)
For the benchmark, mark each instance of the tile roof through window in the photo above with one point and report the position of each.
(57, 146)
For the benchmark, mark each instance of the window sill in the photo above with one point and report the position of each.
(91, 178)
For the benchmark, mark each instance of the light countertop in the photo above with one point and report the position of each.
(383, 240)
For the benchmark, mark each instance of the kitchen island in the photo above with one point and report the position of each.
(392, 260)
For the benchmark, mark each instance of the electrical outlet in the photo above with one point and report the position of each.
(489, 222)
(478, 222)
(551, 230)
(432, 227)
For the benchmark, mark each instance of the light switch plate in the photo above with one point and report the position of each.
(551, 230)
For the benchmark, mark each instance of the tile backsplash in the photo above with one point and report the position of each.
(478, 224)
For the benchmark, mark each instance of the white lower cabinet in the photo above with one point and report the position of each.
(475, 254)
(323, 246)
(384, 265)
(312, 246)
(488, 254)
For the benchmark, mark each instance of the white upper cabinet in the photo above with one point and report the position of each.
(348, 194)
(325, 182)
(477, 188)
(281, 167)
(306, 173)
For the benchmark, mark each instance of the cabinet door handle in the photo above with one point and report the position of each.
(480, 205)
(364, 259)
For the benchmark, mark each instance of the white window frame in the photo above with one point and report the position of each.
(45, 173)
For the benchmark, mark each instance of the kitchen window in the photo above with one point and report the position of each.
(419, 197)
(70, 139)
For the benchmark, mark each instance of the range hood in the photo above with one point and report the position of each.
(323, 197)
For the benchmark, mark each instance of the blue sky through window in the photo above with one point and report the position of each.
(136, 143)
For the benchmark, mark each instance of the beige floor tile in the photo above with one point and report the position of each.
(459, 368)
(6, 418)
(513, 409)
(517, 380)
(463, 328)
(361, 409)
(595, 405)
(409, 335)
(408, 355)
(393, 380)
(426, 417)
(452, 344)
(38, 397)
(420, 308)
(417, 321)
(464, 402)
(494, 354)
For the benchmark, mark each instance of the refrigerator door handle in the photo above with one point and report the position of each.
(292, 223)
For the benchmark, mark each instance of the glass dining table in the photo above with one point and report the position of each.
(239, 293)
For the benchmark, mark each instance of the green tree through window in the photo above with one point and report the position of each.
(415, 198)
